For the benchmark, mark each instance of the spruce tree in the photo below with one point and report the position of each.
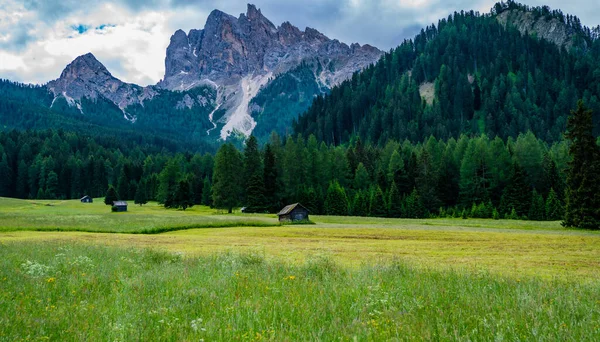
(336, 202)
(182, 198)
(582, 208)
(554, 208)
(111, 196)
(377, 207)
(360, 205)
(123, 184)
(51, 185)
(254, 177)
(361, 177)
(413, 205)
(140, 195)
(394, 202)
(271, 181)
(517, 194)
(227, 189)
(537, 210)
(5, 177)
(206, 192)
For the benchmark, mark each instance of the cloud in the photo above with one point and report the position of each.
(38, 38)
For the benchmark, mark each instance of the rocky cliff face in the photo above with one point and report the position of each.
(236, 56)
(241, 55)
(552, 30)
(87, 77)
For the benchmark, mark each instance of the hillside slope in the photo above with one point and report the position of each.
(488, 77)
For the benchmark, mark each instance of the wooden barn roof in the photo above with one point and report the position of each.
(287, 209)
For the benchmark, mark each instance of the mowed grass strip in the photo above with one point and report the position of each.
(515, 254)
(72, 215)
(75, 292)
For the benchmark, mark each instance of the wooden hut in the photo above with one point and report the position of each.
(86, 199)
(293, 213)
(120, 206)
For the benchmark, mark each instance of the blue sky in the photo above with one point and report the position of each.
(38, 38)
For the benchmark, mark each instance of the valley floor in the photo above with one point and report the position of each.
(77, 271)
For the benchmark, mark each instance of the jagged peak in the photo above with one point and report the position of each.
(252, 12)
(83, 63)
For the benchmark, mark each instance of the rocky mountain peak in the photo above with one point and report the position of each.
(240, 55)
(253, 13)
(87, 77)
(84, 66)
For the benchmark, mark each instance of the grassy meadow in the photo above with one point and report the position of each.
(72, 271)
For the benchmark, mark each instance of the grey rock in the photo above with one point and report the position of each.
(87, 77)
(238, 55)
(552, 30)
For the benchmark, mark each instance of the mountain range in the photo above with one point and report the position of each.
(232, 60)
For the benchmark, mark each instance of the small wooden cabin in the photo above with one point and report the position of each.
(293, 213)
(86, 199)
(120, 205)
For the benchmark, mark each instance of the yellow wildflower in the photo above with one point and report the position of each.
(51, 280)
(291, 277)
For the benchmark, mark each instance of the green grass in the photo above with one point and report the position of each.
(66, 275)
(80, 292)
(16, 215)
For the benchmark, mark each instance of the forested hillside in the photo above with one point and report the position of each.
(486, 79)
(276, 106)
(168, 119)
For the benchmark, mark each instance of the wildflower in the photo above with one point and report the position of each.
(291, 277)
(197, 325)
(50, 280)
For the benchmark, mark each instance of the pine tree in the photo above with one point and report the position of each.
(537, 210)
(361, 177)
(140, 195)
(554, 208)
(183, 197)
(394, 202)
(5, 178)
(227, 189)
(207, 192)
(271, 180)
(51, 185)
(22, 174)
(167, 180)
(377, 207)
(413, 205)
(254, 178)
(111, 196)
(582, 208)
(517, 194)
(360, 205)
(336, 202)
(123, 184)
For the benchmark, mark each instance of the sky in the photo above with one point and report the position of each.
(38, 38)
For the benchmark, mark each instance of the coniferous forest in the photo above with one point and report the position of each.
(469, 176)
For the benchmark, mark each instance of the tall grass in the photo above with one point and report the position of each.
(80, 292)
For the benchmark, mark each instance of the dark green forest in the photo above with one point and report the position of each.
(433, 177)
(290, 94)
(487, 79)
